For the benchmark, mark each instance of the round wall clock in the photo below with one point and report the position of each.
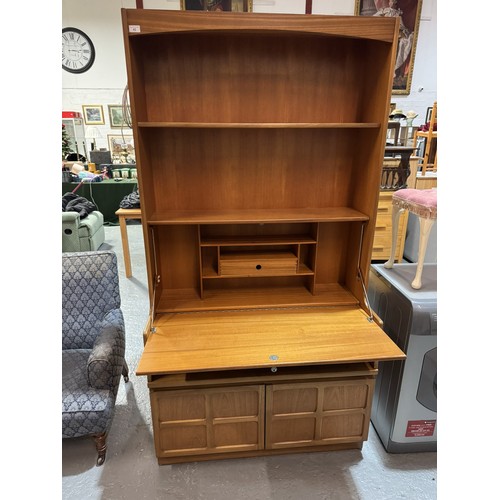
(78, 52)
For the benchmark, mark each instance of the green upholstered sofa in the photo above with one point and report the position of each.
(82, 235)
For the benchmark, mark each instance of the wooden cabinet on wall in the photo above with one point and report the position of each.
(259, 142)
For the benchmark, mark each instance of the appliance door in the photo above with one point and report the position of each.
(416, 416)
(427, 386)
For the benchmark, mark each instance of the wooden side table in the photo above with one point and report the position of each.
(124, 214)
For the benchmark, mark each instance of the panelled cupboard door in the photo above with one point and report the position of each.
(319, 413)
(208, 420)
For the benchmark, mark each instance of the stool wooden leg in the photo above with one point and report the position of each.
(396, 213)
(425, 230)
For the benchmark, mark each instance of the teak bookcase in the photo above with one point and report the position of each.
(259, 142)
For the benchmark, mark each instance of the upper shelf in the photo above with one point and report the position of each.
(232, 125)
(248, 216)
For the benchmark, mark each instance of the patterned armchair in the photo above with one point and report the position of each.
(93, 345)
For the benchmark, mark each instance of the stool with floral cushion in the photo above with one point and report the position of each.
(422, 203)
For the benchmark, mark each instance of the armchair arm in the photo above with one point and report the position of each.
(71, 217)
(70, 238)
(105, 363)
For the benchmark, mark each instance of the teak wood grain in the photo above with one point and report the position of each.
(244, 296)
(236, 340)
(259, 133)
(158, 21)
(256, 215)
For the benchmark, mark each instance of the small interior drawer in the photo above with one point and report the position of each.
(258, 263)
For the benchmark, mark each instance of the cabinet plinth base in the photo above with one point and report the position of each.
(260, 453)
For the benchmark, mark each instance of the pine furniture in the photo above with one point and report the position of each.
(259, 142)
(398, 172)
(123, 215)
(429, 161)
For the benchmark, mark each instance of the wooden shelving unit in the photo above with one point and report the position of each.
(429, 162)
(259, 142)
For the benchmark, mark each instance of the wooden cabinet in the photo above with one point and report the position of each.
(196, 422)
(260, 412)
(319, 413)
(259, 142)
(383, 230)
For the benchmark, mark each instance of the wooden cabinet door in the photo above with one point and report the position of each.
(203, 421)
(317, 413)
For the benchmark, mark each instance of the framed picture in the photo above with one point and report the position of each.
(409, 12)
(93, 114)
(116, 118)
(218, 5)
(121, 148)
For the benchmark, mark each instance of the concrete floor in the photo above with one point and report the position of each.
(132, 472)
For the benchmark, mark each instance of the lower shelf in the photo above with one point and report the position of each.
(188, 300)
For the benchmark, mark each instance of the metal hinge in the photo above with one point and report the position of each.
(360, 274)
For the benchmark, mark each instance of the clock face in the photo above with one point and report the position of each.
(78, 51)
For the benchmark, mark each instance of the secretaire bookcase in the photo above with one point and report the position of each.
(259, 141)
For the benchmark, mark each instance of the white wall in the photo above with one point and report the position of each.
(105, 82)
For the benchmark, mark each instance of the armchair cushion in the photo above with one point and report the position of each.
(105, 363)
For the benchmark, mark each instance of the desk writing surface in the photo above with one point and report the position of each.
(207, 341)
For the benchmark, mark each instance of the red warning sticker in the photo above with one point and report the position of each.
(420, 428)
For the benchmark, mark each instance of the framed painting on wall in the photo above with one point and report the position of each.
(93, 114)
(122, 148)
(116, 118)
(218, 5)
(409, 11)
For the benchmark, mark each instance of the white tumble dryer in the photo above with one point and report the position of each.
(404, 411)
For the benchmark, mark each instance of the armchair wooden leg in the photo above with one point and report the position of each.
(101, 447)
(125, 371)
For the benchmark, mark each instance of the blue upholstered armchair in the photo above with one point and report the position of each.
(93, 345)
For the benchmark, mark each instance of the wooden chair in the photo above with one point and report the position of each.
(393, 129)
(429, 160)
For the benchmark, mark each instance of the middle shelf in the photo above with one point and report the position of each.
(249, 216)
(245, 125)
